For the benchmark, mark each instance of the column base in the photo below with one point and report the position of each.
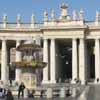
(84, 82)
(48, 81)
(97, 82)
(45, 82)
(73, 82)
(52, 81)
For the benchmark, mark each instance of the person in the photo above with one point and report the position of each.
(9, 95)
(10, 82)
(59, 80)
(31, 94)
(21, 89)
(97, 79)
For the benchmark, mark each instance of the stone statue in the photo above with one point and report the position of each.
(81, 14)
(74, 15)
(4, 18)
(53, 15)
(45, 15)
(18, 18)
(97, 16)
(32, 19)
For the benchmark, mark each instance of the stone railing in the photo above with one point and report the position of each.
(50, 92)
(22, 25)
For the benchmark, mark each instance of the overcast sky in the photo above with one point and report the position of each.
(26, 7)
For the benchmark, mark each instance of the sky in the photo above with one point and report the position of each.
(26, 7)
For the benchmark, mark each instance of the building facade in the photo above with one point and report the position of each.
(71, 46)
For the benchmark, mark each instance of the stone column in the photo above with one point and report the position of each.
(45, 59)
(82, 61)
(52, 61)
(18, 58)
(4, 66)
(74, 61)
(97, 61)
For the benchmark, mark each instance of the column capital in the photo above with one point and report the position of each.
(45, 38)
(52, 38)
(3, 38)
(97, 39)
(74, 38)
(81, 38)
(18, 40)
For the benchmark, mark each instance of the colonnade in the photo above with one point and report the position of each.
(79, 61)
(5, 63)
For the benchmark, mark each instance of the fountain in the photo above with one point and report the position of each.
(31, 65)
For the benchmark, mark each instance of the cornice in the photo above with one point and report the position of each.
(19, 30)
(64, 27)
